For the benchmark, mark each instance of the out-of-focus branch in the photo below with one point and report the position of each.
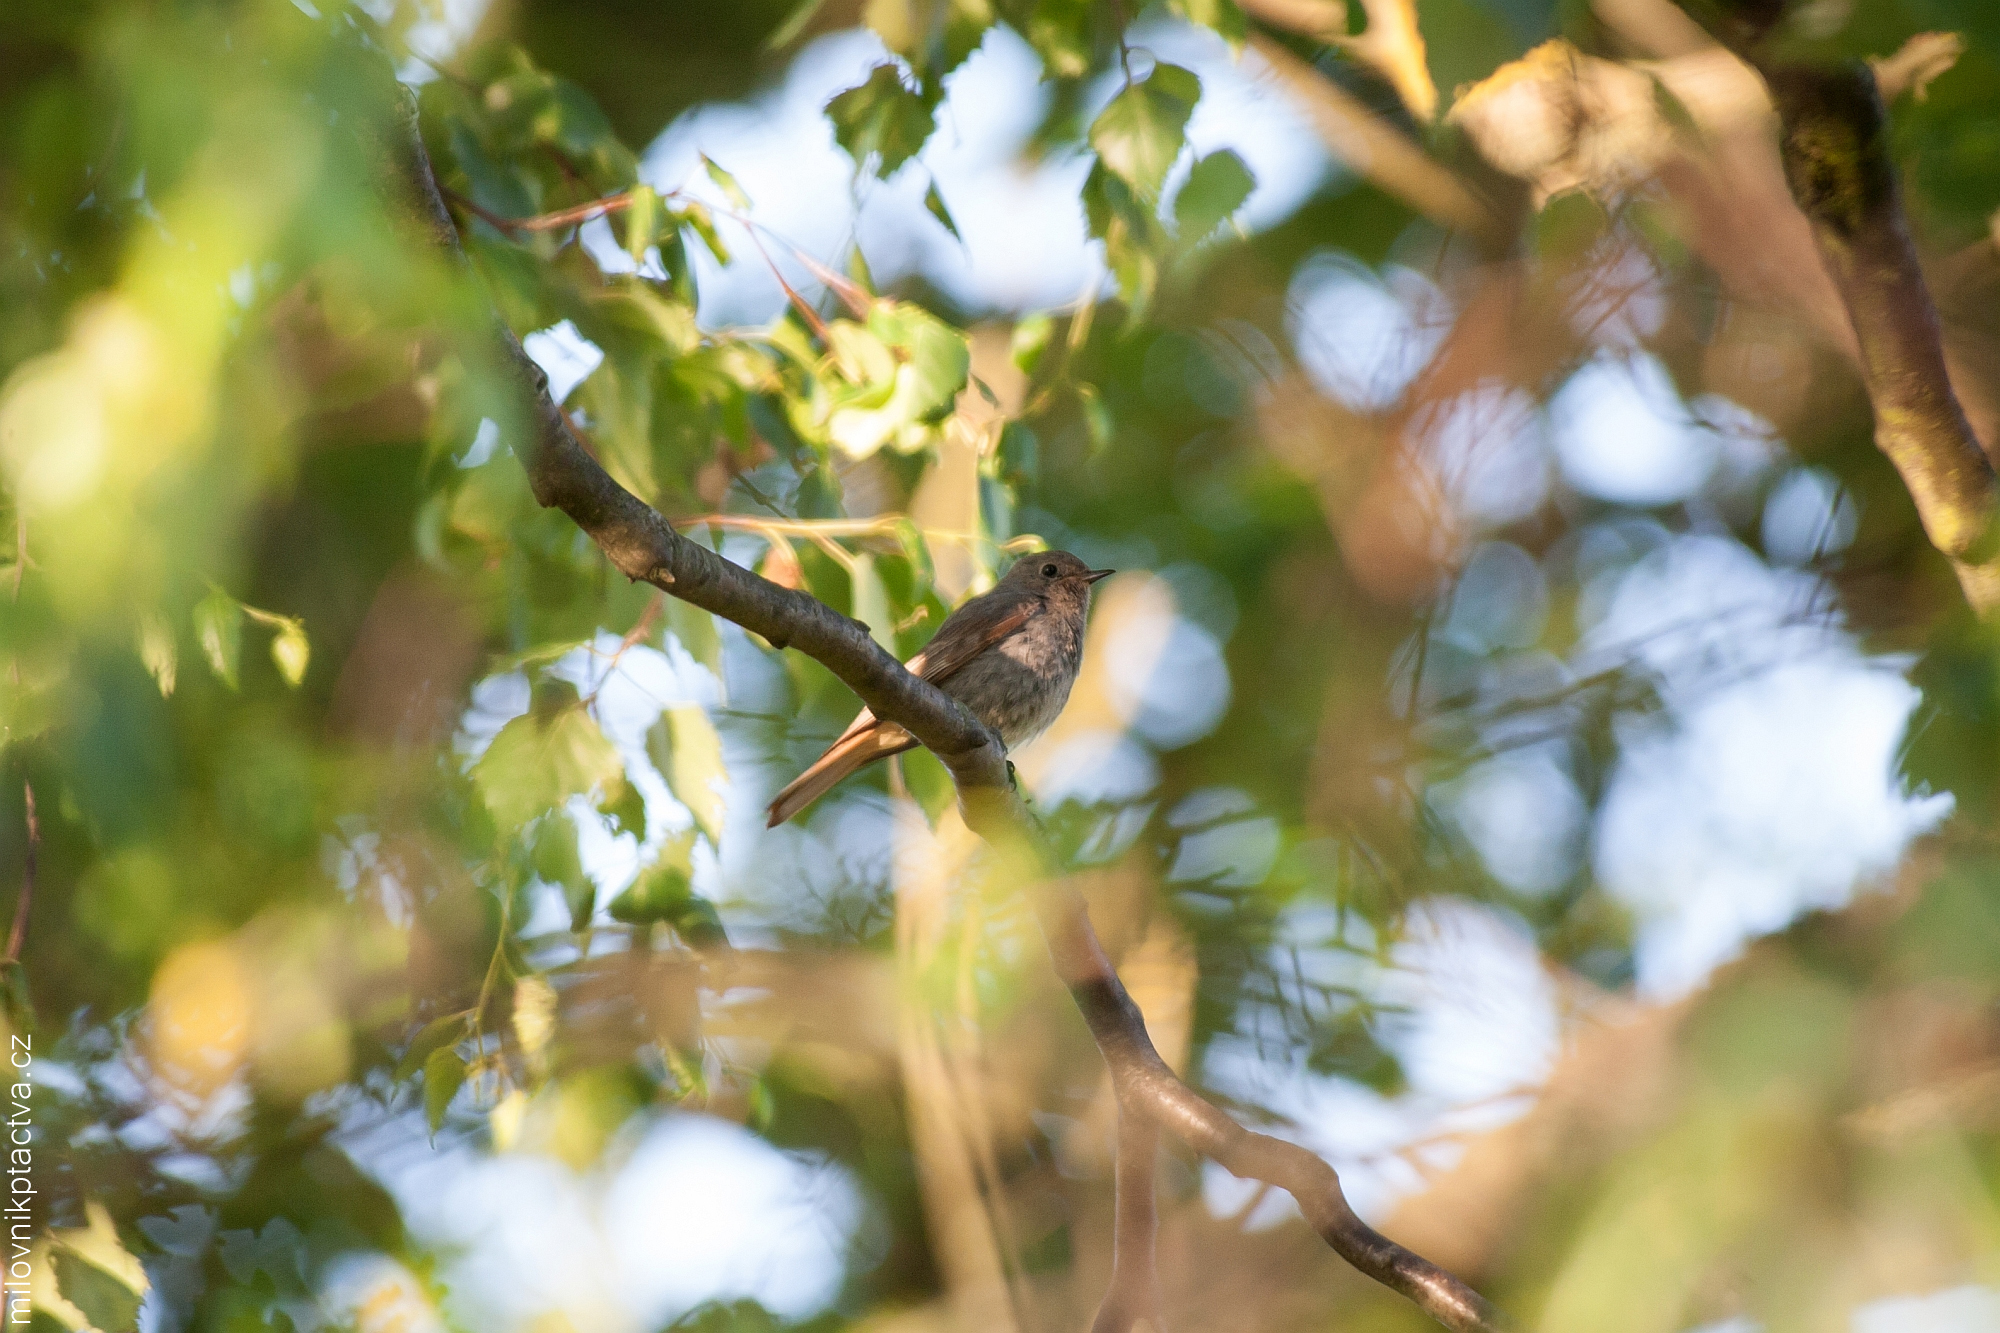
(1134, 1292)
(1391, 42)
(1146, 1084)
(1837, 163)
(1836, 157)
(1378, 150)
(643, 546)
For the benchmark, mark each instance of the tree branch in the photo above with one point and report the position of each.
(643, 546)
(1836, 157)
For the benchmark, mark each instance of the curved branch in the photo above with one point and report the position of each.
(1143, 1080)
(644, 546)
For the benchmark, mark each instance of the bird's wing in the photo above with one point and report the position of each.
(968, 632)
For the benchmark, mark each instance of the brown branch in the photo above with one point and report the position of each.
(1836, 156)
(17, 935)
(1134, 1290)
(1835, 148)
(556, 221)
(1144, 1082)
(643, 546)
(1378, 151)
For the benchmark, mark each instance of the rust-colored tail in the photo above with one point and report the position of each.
(851, 752)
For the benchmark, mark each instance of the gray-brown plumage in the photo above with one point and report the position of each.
(1010, 655)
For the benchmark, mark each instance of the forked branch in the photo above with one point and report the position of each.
(643, 545)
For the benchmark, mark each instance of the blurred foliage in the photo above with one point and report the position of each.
(313, 699)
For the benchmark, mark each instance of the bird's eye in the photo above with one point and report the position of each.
(1048, 571)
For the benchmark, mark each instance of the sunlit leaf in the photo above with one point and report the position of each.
(558, 862)
(1140, 133)
(684, 746)
(292, 652)
(534, 1014)
(642, 222)
(158, 651)
(444, 1075)
(95, 1272)
(881, 119)
(540, 760)
(696, 217)
(504, 1121)
(110, 1305)
(437, 1033)
(218, 628)
(625, 806)
(727, 184)
(908, 367)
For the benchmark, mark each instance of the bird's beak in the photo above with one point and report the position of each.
(1093, 575)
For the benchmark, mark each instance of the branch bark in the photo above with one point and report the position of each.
(1836, 159)
(1836, 156)
(643, 545)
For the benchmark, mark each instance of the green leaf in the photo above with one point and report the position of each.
(1133, 238)
(1215, 188)
(908, 366)
(218, 628)
(557, 861)
(1096, 417)
(759, 1102)
(1224, 17)
(727, 184)
(437, 1033)
(642, 222)
(444, 1075)
(935, 203)
(695, 216)
(881, 118)
(664, 894)
(110, 1305)
(655, 893)
(684, 746)
(1141, 132)
(291, 650)
(694, 629)
(625, 807)
(1030, 340)
(158, 652)
(871, 603)
(540, 760)
(794, 24)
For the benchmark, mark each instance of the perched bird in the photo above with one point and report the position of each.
(1010, 655)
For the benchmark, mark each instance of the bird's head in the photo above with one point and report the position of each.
(1057, 574)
